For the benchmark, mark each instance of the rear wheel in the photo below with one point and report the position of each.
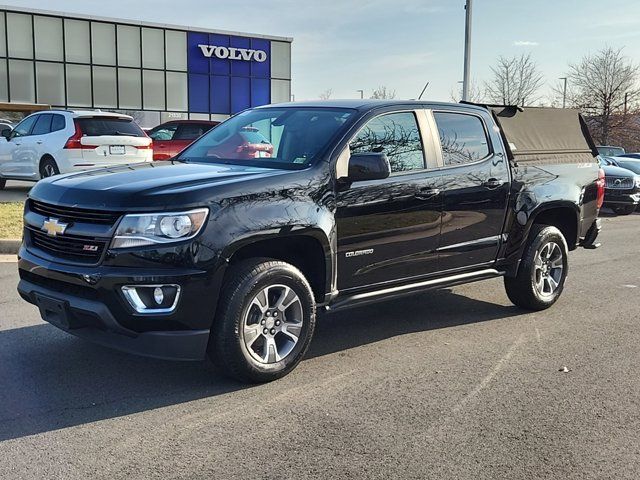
(265, 321)
(3, 183)
(624, 209)
(542, 272)
(48, 168)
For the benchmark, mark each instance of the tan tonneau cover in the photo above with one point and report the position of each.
(545, 135)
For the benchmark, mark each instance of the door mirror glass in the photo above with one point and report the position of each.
(5, 133)
(368, 166)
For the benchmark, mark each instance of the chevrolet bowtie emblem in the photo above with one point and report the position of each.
(54, 227)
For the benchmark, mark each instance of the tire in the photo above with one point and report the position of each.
(48, 168)
(3, 183)
(543, 270)
(239, 346)
(625, 209)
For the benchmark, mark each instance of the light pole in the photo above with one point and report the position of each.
(467, 52)
(361, 93)
(564, 92)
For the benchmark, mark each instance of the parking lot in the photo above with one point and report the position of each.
(15, 191)
(448, 384)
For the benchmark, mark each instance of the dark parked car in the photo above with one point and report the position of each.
(171, 138)
(630, 155)
(223, 255)
(622, 193)
(608, 151)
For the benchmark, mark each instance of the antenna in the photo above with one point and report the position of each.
(423, 90)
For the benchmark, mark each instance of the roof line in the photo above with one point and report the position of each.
(169, 26)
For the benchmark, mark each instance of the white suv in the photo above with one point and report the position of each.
(61, 141)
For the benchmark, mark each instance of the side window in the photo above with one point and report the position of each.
(395, 134)
(164, 133)
(23, 128)
(189, 131)
(42, 125)
(57, 122)
(463, 138)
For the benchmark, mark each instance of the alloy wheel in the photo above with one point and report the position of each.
(549, 267)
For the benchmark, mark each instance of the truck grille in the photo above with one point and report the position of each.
(78, 249)
(78, 215)
(619, 183)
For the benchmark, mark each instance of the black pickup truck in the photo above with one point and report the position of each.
(228, 250)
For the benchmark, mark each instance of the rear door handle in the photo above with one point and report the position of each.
(39, 142)
(427, 193)
(493, 183)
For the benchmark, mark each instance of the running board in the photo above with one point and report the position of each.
(359, 299)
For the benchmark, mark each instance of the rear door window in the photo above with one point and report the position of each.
(99, 126)
(191, 131)
(463, 138)
(42, 125)
(57, 122)
(164, 132)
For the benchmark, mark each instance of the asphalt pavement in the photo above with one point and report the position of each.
(453, 384)
(15, 191)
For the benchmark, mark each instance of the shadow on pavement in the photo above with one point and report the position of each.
(51, 380)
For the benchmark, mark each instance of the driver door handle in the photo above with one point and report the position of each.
(493, 183)
(427, 193)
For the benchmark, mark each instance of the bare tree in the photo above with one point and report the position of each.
(383, 93)
(475, 93)
(604, 85)
(326, 95)
(516, 81)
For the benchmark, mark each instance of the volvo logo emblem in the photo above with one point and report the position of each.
(618, 182)
(54, 227)
(231, 53)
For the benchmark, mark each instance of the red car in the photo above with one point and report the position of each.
(248, 143)
(171, 138)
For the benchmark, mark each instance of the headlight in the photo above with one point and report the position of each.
(637, 182)
(138, 230)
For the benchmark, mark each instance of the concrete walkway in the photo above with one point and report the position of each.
(15, 191)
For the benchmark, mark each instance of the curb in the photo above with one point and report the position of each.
(9, 247)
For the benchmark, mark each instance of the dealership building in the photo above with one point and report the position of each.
(155, 72)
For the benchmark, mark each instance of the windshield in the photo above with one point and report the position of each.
(287, 138)
(611, 151)
(633, 165)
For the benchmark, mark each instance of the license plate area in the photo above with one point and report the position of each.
(54, 311)
(117, 150)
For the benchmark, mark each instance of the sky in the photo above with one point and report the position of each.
(348, 45)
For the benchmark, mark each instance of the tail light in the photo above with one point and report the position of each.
(600, 183)
(75, 140)
(145, 147)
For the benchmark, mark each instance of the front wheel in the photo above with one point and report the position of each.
(543, 270)
(625, 209)
(265, 321)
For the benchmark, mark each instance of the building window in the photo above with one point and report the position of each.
(3, 36)
(20, 35)
(21, 81)
(153, 89)
(128, 46)
(462, 137)
(281, 60)
(129, 88)
(280, 91)
(79, 85)
(103, 43)
(176, 91)
(4, 91)
(48, 38)
(104, 87)
(176, 54)
(76, 41)
(153, 48)
(50, 83)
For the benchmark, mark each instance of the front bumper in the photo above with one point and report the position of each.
(87, 302)
(617, 198)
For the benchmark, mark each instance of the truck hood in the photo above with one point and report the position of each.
(147, 186)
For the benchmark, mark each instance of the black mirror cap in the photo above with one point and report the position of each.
(368, 166)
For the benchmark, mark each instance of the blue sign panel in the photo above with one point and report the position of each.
(227, 74)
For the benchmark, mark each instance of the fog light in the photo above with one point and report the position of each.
(152, 299)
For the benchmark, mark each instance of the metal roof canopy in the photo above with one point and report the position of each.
(23, 107)
(168, 26)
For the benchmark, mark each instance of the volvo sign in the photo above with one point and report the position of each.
(232, 53)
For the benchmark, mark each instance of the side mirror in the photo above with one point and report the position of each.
(6, 133)
(368, 166)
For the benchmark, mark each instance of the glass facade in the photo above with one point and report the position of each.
(161, 72)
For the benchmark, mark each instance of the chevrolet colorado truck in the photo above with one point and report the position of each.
(225, 255)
